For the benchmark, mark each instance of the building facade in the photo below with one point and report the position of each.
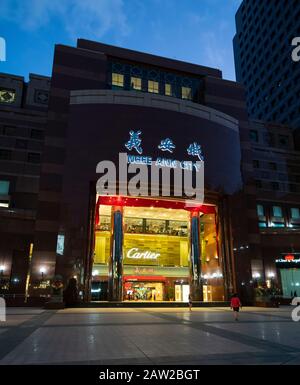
(276, 166)
(264, 65)
(23, 115)
(125, 246)
(262, 49)
(98, 95)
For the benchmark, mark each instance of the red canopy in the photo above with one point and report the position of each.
(150, 202)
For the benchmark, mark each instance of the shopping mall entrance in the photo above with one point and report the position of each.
(155, 245)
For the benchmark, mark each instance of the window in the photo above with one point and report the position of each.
(277, 211)
(273, 166)
(256, 163)
(5, 154)
(34, 157)
(9, 130)
(275, 186)
(134, 225)
(268, 138)
(4, 187)
(37, 134)
(295, 213)
(168, 89)
(283, 140)
(136, 83)
(262, 224)
(7, 95)
(260, 210)
(258, 183)
(21, 143)
(117, 80)
(153, 86)
(253, 136)
(186, 93)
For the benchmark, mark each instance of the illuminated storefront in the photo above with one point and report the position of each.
(289, 272)
(157, 251)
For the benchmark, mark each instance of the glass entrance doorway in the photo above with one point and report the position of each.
(143, 291)
(290, 281)
(182, 292)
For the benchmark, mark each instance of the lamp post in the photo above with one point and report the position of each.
(42, 271)
(2, 268)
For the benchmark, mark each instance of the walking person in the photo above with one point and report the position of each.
(190, 302)
(235, 306)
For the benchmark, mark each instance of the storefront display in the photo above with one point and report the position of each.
(156, 253)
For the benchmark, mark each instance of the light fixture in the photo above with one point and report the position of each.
(2, 268)
(271, 275)
(256, 275)
(95, 272)
(42, 270)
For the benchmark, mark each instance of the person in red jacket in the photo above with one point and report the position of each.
(235, 306)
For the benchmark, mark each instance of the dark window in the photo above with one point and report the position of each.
(292, 188)
(268, 138)
(5, 154)
(275, 186)
(34, 157)
(9, 130)
(258, 183)
(273, 166)
(37, 134)
(253, 136)
(283, 140)
(256, 163)
(21, 143)
(41, 96)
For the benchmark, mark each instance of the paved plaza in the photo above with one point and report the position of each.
(149, 336)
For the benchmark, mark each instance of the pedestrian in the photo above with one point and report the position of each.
(190, 302)
(235, 306)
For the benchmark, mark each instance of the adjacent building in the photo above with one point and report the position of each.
(262, 49)
(264, 65)
(276, 167)
(23, 116)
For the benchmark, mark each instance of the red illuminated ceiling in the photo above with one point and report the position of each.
(150, 202)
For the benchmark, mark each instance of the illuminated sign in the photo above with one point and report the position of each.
(135, 253)
(135, 143)
(289, 257)
(281, 260)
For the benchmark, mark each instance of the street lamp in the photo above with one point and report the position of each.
(2, 268)
(42, 271)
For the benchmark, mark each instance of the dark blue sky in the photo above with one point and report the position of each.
(198, 31)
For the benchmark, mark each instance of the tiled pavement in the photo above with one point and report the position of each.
(149, 336)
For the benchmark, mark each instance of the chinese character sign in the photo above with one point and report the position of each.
(134, 142)
(167, 145)
(194, 149)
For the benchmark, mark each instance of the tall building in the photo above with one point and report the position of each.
(263, 61)
(264, 65)
(276, 171)
(105, 101)
(130, 247)
(23, 116)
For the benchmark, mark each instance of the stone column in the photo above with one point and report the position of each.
(115, 272)
(196, 289)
